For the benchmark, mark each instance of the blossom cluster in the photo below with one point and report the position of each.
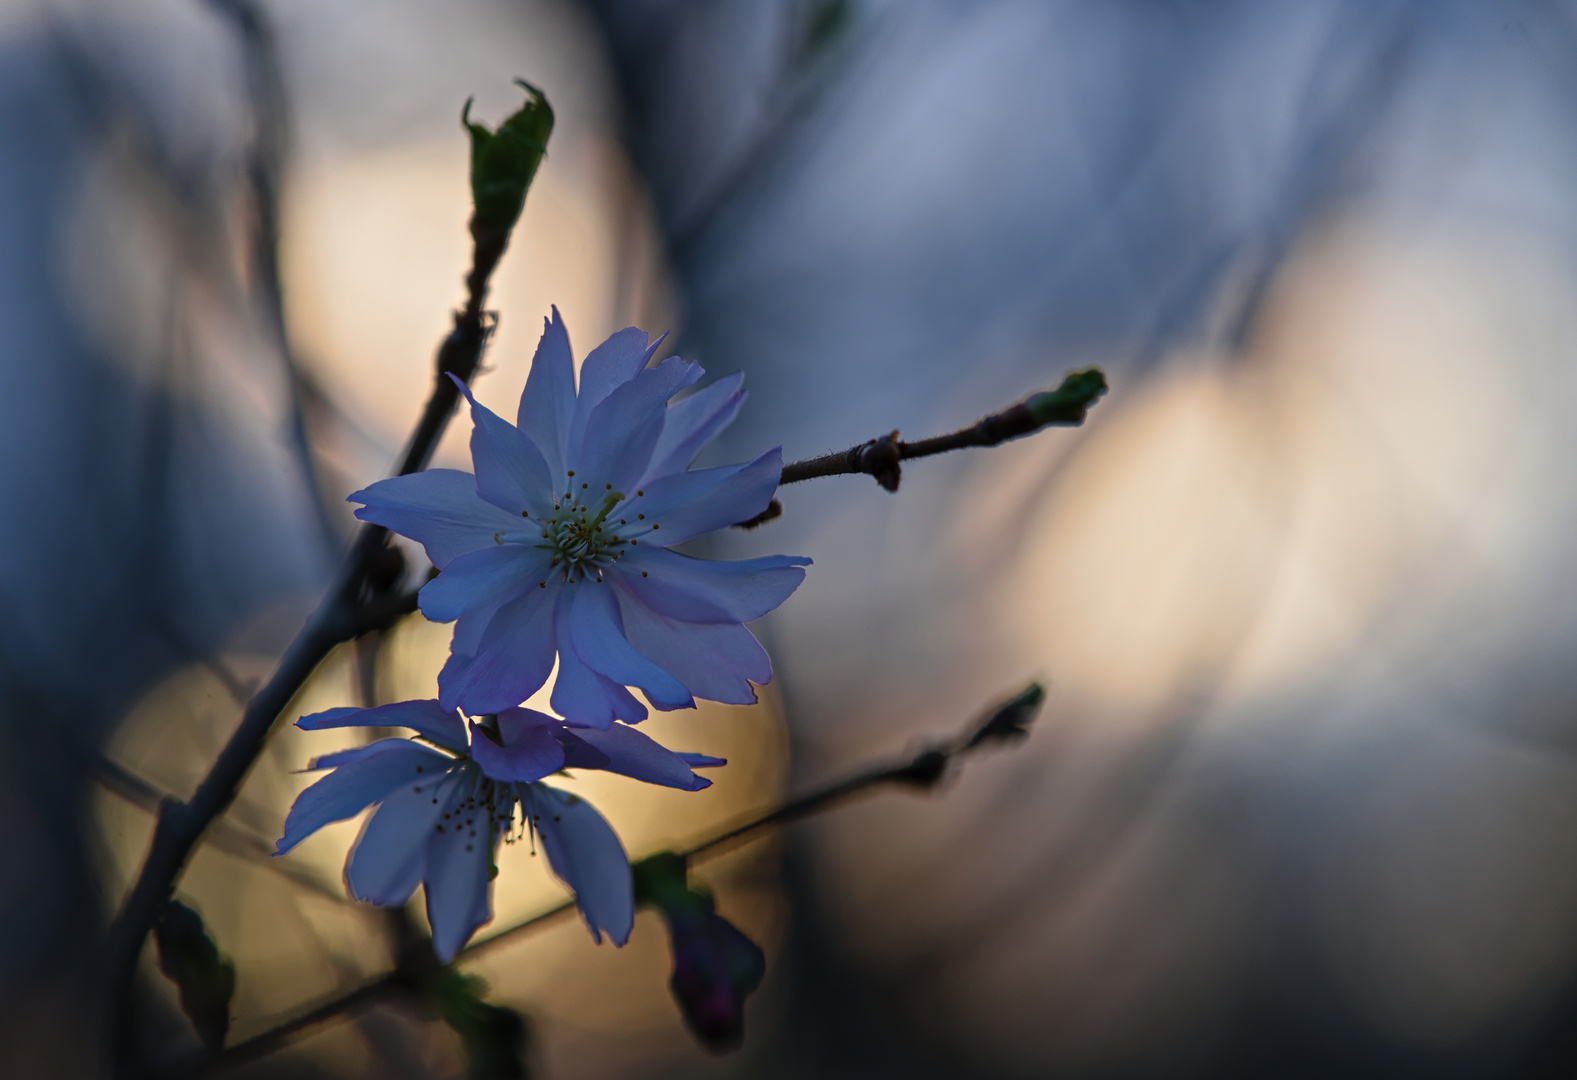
(556, 559)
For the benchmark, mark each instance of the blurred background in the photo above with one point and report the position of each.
(1304, 801)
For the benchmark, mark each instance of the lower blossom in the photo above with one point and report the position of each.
(447, 798)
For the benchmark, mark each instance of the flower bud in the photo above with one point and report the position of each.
(715, 968)
(715, 965)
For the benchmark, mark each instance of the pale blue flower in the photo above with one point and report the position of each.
(560, 543)
(442, 811)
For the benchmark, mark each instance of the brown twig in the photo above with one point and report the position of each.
(1064, 407)
(339, 617)
(227, 837)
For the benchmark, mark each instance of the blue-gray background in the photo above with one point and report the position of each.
(1304, 803)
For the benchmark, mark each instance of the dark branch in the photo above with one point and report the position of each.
(1004, 723)
(1065, 406)
(277, 1038)
(383, 611)
(340, 616)
(229, 838)
(774, 510)
(924, 770)
(265, 163)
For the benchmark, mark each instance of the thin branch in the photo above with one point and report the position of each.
(264, 169)
(773, 511)
(382, 612)
(338, 618)
(1065, 406)
(1007, 722)
(223, 834)
(277, 1038)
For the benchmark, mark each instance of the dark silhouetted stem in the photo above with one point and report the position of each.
(340, 616)
(1064, 407)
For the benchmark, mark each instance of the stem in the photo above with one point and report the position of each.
(277, 1038)
(1065, 406)
(1004, 723)
(339, 617)
(229, 838)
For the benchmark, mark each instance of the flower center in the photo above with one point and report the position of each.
(478, 808)
(583, 542)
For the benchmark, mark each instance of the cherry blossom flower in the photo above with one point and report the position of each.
(444, 808)
(561, 543)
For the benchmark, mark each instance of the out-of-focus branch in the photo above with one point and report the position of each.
(382, 612)
(227, 837)
(1065, 406)
(1006, 722)
(265, 164)
(337, 619)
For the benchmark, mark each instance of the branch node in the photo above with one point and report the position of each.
(171, 811)
(925, 770)
(1065, 406)
(879, 458)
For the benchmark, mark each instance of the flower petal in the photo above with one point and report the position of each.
(516, 725)
(691, 503)
(510, 471)
(625, 426)
(389, 856)
(585, 853)
(510, 664)
(704, 590)
(701, 761)
(438, 508)
(611, 364)
(354, 786)
(456, 880)
(692, 423)
(547, 404)
(583, 695)
(530, 751)
(473, 587)
(470, 630)
(426, 718)
(717, 661)
(578, 753)
(336, 759)
(635, 755)
(599, 641)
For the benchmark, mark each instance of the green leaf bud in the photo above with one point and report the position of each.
(503, 163)
(1067, 404)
